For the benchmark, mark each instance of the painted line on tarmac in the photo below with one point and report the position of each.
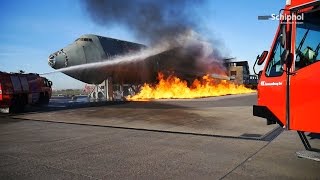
(268, 137)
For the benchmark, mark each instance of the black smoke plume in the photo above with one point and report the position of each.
(174, 22)
(151, 20)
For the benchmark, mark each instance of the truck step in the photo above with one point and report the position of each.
(312, 155)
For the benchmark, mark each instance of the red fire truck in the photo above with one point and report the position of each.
(288, 89)
(17, 90)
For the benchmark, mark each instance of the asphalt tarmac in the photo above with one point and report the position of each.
(208, 138)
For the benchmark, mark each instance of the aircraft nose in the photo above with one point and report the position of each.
(58, 60)
(52, 60)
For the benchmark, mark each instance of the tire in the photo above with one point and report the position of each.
(18, 105)
(21, 107)
(22, 103)
(46, 99)
(100, 95)
(12, 109)
(41, 99)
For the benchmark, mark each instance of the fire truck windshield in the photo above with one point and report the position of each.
(274, 67)
(307, 40)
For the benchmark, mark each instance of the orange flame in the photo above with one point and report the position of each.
(174, 88)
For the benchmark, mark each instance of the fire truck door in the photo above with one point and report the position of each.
(305, 83)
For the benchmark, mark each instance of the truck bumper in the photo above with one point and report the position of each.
(264, 112)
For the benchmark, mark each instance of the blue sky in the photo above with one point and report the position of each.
(31, 30)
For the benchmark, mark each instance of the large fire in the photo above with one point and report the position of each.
(172, 87)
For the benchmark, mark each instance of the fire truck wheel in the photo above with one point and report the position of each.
(23, 102)
(12, 108)
(46, 99)
(18, 105)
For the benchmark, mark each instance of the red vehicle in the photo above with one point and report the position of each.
(289, 84)
(17, 90)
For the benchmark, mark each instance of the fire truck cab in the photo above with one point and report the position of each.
(289, 84)
(18, 90)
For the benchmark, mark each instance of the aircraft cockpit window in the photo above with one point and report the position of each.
(87, 39)
(84, 39)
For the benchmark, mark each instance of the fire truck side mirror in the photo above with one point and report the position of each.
(259, 74)
(289, 60)
(262, 57)
(50, 83)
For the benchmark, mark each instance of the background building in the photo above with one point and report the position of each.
(239, 72)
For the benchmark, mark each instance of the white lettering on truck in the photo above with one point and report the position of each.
(263, 83)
